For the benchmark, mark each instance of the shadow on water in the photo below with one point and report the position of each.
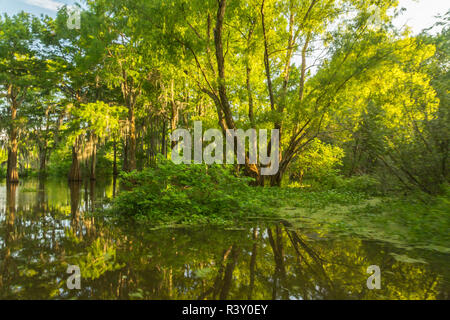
(46, 226)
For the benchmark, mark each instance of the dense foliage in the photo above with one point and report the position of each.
(362, 112)
(374, 101)
(184, 192)
(361, 106)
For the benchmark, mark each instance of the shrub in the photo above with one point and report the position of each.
(317, 164)
(359, 184)
(186, 191)
(365, 183)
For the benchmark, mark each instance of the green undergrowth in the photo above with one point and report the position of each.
(408, 222)
(198, 194)
(185, 194)
(179, 195)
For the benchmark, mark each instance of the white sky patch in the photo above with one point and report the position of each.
(420, 14)
(46, 4)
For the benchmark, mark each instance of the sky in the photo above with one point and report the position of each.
(419, 15)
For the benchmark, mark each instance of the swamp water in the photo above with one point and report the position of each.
(45, 226)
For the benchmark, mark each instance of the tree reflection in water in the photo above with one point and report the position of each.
(42, 232)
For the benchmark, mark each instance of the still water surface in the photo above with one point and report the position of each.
(46, 226)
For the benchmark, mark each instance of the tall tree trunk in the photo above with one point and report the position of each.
(125, 155)
(250, 98)
(114, 186)
(163, 139)
(75, 173)
(130, 96)
(93, 159)
(12, 174)
(132, 141)
(115, 172)
(218, 41)
(266, 59)
(42, 160)
(222, 102)
(251, 115)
